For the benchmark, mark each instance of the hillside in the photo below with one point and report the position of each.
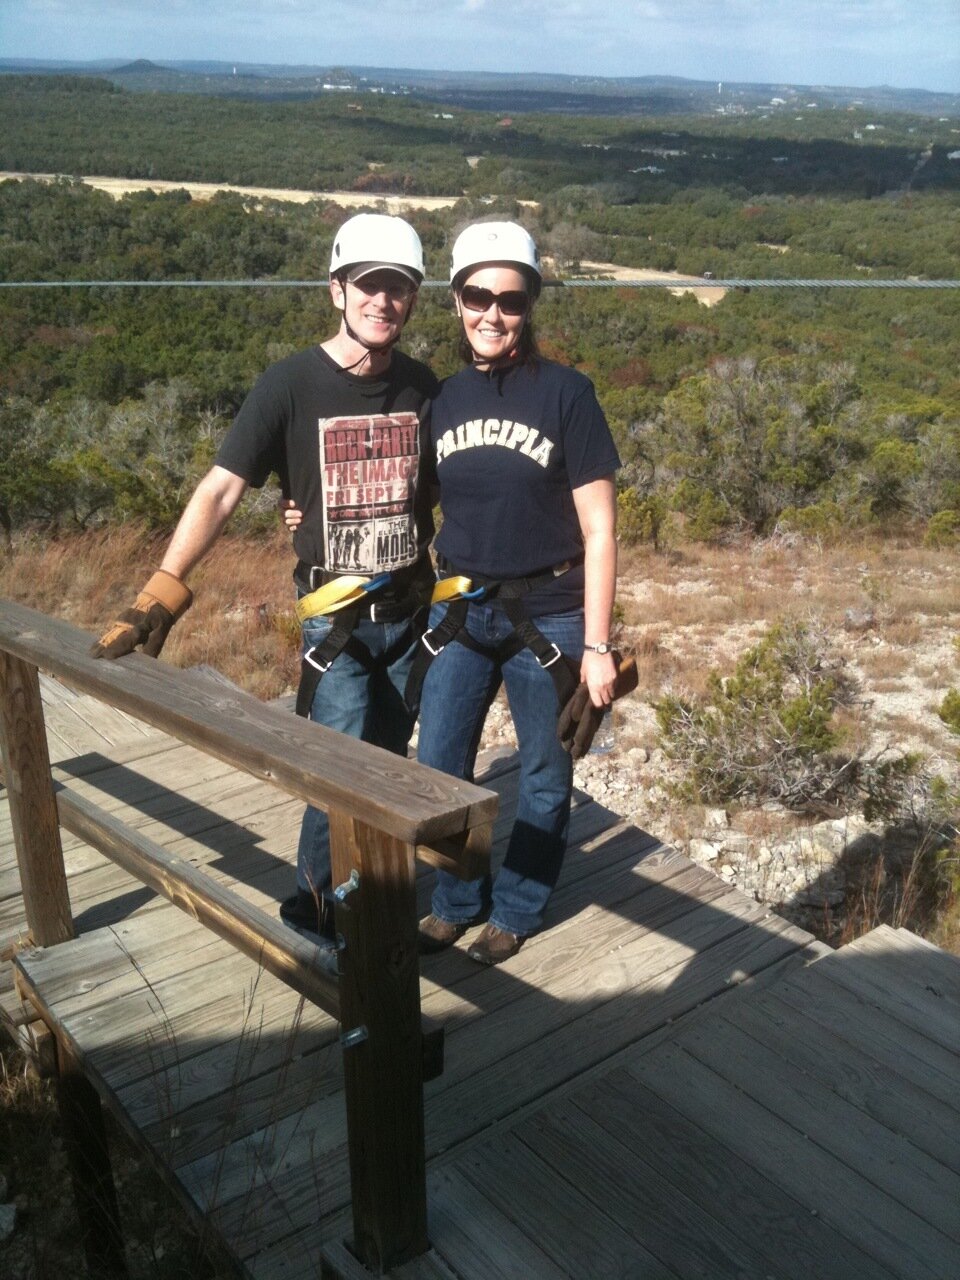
(500, 91)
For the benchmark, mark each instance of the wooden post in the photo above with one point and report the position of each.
(33, 807)
(85, 1141)
(382, 1042)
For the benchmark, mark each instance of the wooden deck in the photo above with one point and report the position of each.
(668, 1081)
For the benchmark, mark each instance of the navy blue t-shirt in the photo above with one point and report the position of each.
(509, 448)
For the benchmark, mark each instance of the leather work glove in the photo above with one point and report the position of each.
(158, 606)
(579, 720)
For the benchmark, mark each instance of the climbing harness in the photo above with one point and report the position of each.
(347, 596)
(461, 591)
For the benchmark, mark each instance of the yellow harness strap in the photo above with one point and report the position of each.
(332, 596)
(447, 588)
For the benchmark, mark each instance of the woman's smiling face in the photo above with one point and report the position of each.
(491, 333)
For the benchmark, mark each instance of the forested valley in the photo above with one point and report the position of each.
(823, 409)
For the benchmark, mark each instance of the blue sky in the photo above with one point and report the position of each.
(905, 43)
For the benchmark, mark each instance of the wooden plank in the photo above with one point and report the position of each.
(107, 723)
(937, 970)
(304, 1152)
(681, 1229)
(477, 1238)
(889, 1235)
(26, 767)
(796, 1243)
(305, 1252)
(899, 988)
(254, 934)
(667, 981)
(552, 981)
(298, 1198)
(299, 1062)
(888, 1160)
(160, 1026)
(407, 800)
(609, 874)
(854, 1075)
(849, 1016)
(569, 1228)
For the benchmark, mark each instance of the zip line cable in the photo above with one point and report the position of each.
(658, 282)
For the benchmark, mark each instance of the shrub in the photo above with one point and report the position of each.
(943, 530)
(641, 519)
(770, 731)
(827, 520)
(708, 520)
(950, 710)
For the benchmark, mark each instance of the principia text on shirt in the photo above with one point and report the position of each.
(479, 433)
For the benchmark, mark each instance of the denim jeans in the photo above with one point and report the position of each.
(457, 692)
(364, 704)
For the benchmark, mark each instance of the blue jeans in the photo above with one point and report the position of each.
(364, 704)
(457, 692)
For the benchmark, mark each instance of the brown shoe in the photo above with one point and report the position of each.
(494, 945)
(434, 934)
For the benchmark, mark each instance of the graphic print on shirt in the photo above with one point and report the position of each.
(483, 433)
(369, 470)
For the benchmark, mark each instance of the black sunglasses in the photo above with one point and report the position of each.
(395, 287)
(513, 302)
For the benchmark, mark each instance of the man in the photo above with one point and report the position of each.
(341, 425)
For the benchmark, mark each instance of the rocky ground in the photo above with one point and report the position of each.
(890, 621)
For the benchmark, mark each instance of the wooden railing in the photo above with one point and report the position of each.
(384, 813)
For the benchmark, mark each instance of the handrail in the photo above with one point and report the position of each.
(384, 811)
(407, 800)
(258, 936)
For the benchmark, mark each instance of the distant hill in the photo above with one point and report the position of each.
(498, 91)
(141, 66)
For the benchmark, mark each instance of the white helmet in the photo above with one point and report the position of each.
(378, 240)
(496, 242)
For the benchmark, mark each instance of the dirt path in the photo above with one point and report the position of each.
(708, 296)
(118, 187)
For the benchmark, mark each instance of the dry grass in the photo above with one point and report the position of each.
(241, 621)
(891, 611)
(46, 1244)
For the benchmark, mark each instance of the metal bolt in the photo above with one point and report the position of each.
(350, 1039)
(348, 886)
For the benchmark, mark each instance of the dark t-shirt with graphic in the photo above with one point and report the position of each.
(509, 448)
(347, 450)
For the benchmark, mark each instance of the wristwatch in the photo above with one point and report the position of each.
(599, 648)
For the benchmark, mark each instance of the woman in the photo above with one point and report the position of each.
(525, 463)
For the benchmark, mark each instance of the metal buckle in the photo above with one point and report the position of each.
(322, 667)
(557, 655)
(429, 647)
(316, 570)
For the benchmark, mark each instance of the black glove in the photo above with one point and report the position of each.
(158, 606)
(579, 719)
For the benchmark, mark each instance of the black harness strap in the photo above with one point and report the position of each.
(318, 660)
(525, 634)
(404, 601)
